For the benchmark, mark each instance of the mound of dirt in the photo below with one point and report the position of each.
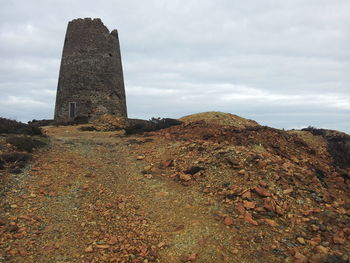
(265, 178)
(219, 118)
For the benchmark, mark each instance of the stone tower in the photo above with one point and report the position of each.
(91, 76)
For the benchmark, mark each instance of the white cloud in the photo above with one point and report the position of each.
(260, 59)
(10, 100)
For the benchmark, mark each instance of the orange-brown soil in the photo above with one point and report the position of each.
(198, 192)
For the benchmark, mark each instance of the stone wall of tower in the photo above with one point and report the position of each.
(91, 74)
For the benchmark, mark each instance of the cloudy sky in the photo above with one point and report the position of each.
(285, 64)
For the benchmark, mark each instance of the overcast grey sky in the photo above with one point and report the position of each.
(285, 64)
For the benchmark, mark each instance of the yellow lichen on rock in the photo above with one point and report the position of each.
(219, 118)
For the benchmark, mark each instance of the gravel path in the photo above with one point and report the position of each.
(84, 199)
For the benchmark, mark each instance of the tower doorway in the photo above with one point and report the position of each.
(72, 109)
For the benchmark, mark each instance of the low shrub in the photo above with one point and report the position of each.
(39, 123)
(14, 162)
(15, 127)
(24, 143)
(338, 145)
(15, 157)
(87, 128)
(2, 164)
(137, 126)
(162, 123)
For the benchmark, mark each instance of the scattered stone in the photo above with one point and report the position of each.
(193, 170)
(322, 249)
(147, 167)
(248, 217)
(258, 205)
(270, 222)
(288, 191)
(325, 243)
(263, 183)
(113, 241)
(179, 228)
(262, 192)
(228, 221)
(52, 193)
(140, 157)
(301, 240)
(270, 204)
(185, 177)
(242, 172)
(339, 238)
(89, 249)
(334, 258)
(316, 239)
(22, 252)
(240, 209)
(300, 258)
(346, 230)
(247, 194)
(248, 204)
(121, 206)
(192, 257)
(234, 251)
(161, 244)
(13, 228)
(102, 246)
(167, 163)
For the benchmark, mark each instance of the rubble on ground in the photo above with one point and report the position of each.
(288, 184)
(264, 194)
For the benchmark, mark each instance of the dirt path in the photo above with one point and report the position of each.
(85, 200)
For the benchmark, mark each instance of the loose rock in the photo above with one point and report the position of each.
(228, 221)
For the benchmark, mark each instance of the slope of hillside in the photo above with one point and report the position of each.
(219, 118)
(202, 191)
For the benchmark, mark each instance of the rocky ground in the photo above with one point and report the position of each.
(218, 188)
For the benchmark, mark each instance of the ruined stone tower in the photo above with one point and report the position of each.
(91, 77)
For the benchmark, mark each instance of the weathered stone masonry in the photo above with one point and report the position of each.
(91, 77)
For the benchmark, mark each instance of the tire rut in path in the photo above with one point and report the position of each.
(182, 215)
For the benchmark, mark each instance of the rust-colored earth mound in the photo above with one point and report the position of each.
(208, 190)
(219, 118)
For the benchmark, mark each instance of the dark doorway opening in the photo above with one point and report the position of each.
(72, 109)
